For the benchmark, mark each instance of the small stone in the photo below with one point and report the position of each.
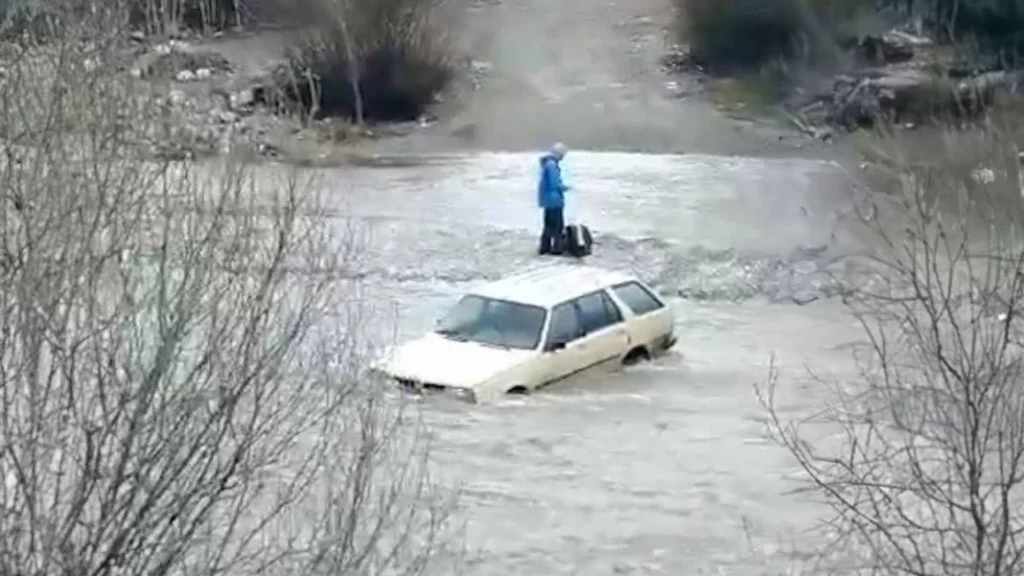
(983, 175)
(224, 116)
(185, 76)
(242, 98)
(203, 73)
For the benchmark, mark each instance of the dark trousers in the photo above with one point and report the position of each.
(551, 236)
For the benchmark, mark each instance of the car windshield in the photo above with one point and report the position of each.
(494, 322)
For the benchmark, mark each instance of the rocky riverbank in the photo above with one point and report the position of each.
(225, 93)
(898, 78)
(215, 100)
(906, 80)
(221, 93)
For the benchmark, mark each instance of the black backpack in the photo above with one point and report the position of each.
(577, 240)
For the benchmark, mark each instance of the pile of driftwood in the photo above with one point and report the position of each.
(896, 82)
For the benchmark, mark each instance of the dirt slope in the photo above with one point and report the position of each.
(586, 72)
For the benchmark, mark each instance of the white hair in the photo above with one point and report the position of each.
(559, 149)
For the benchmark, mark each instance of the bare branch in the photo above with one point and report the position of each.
(182, 372)
(926, 480)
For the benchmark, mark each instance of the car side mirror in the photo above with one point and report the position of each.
(554, 346)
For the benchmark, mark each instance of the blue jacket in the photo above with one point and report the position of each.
(550, 189)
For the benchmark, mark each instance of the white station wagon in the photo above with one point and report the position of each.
(531, 329)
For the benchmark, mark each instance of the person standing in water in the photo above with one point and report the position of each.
(551, 199)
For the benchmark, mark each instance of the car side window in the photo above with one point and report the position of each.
(613, 309)
(639, 300)
(565, 324)
(594, 312)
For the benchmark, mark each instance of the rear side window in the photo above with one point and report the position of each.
(597, 311)
(611, 307)
(639, 300)
(565, 324)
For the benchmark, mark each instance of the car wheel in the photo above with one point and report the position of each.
(635, 356)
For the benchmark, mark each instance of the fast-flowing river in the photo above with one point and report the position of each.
(658, 469)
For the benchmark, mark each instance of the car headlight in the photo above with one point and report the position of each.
(464, 394)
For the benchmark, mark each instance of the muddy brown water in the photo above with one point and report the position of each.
(661, 468)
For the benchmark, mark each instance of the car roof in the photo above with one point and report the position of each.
(548, 286)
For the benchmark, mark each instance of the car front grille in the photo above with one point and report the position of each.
(428, 388)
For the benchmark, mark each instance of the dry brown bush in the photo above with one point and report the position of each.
(728, 35)
(373, 59)
(183, 384)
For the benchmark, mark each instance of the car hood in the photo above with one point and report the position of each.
(435, 359)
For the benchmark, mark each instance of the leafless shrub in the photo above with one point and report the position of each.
(374, 59)
(182, 373)
(736, 35)
(926, 477)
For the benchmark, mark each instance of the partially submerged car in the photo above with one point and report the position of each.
(523, 332)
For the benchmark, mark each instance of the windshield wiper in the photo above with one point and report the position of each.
(451, 333)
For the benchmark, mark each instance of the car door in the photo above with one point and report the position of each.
(605, 335)
(563, 350)
(651, 318)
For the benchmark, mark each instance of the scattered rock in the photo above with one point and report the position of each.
(908, 95)
(185, 76)
(893, 81)
(915, 40)
(224, 117)
(983, 175)
(680, 59)
(479, 67)
(268, 150)
(240, 99)
(889, 48)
